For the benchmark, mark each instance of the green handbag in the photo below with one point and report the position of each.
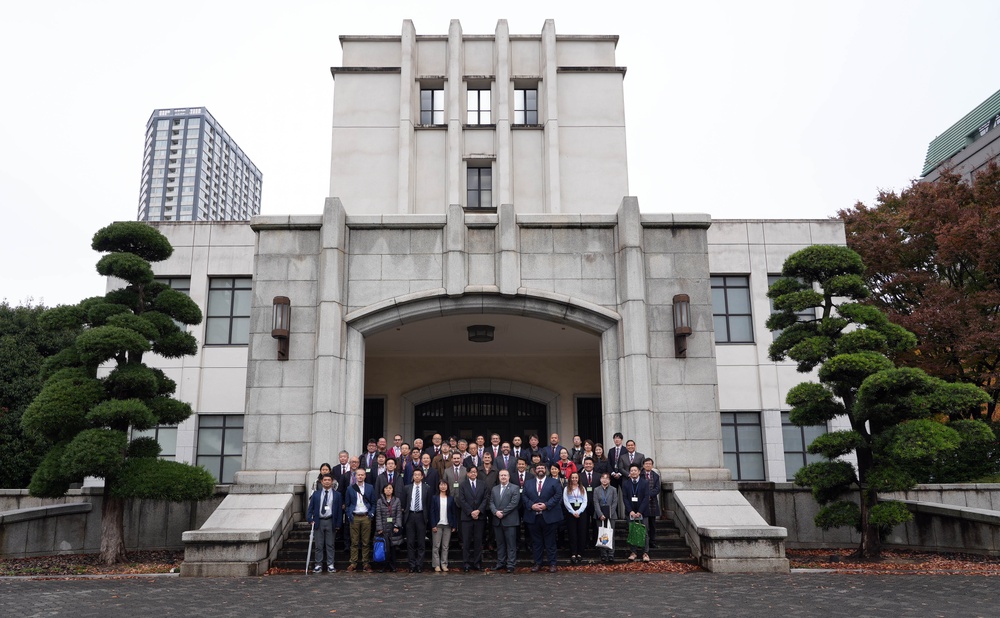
(636, 534)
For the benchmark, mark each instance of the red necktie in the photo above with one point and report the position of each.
(539, 488)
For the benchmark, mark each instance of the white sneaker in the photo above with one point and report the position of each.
(331, 568)
(318, 568)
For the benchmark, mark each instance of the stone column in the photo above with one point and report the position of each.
(550, 117)
(503, 179)
(636, 388)
(454, 170)
(407, 144)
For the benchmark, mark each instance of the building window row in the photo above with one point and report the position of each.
(478, 106)
(743, 445)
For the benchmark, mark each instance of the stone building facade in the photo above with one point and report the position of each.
(482, 181)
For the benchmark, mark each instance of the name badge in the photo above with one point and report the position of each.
(368, 470)
(590, 489)
(635, 499)
(388, 520)
(455, 485)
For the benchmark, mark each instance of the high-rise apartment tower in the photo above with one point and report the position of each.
(193, 170)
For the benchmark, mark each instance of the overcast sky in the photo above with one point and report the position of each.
(738, 109)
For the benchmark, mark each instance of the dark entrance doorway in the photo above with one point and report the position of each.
(467, 416)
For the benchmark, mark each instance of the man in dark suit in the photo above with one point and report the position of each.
(324, 513)
(635, 497)
(505, 460)
(475, 458)
(542, 514)
(390, 477)
(550, 454)
(590, 480)
(516, 450)
(614, 457)
(368, 460)
(505, 502)
(416, 515)
(521, 477)
(472, 504)
(652, 478)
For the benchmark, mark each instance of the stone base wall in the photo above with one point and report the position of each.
(72, 524)
(959, 517)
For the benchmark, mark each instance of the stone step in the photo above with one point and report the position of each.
(669, 546)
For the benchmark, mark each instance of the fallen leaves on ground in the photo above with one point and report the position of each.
(137, 563)
(894, 561)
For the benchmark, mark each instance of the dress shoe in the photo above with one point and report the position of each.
(368, 569)
(465, 569)
(536, 568)
(498, 568)
(352, 567)
(552, 569)
(510, 570)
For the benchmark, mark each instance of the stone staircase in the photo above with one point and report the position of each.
(669, 546)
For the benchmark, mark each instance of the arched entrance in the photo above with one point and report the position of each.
(467, 416)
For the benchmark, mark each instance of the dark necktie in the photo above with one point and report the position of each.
(539, 488)
(416, 500)
(326, 498)
(589, 480)
(473, 487)
(390, 478)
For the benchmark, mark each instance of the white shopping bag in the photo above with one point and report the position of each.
(605, 536)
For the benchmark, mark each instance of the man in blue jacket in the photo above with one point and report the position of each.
(635, 497)
(360, 510)
(542, 513)
(324, 514)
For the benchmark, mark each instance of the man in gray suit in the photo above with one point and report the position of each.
(629, 457)
(505, 499)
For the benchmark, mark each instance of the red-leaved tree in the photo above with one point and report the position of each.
(932, 256)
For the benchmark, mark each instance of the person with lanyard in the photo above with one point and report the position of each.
(590, 480)
(605, 499)
(444, 519)
(416, 513)
(635, 496)
(575, 501)
(369, 460)
(324, 515)
(389, 477)
(472, 505)
(387, 521)
(360, 510)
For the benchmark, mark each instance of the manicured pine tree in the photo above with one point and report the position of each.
(98, 389)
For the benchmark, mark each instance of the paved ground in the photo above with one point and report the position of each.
(427, 595)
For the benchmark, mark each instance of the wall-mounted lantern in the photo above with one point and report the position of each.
(682, 324)
(281, 324)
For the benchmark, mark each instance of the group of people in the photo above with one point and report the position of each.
(496, 494)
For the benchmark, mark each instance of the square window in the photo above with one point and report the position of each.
(228, 320)
(806, 315)
(478, 109)
(479, 187)
(797, 440)
(220, 445)
(526, 106)
(743, 445)
(731, 309)
(432, 106)
(166, 436)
